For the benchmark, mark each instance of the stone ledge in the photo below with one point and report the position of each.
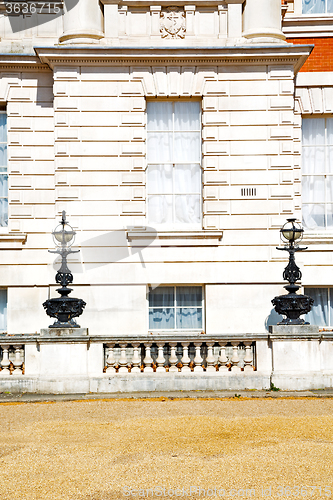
(294, 332)
(63, 332)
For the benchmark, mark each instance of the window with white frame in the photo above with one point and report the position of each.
(176, 308)
(317, 173)
(317, 6)
(321, 313)
(3, 169)
(3, 310)
(174, 183)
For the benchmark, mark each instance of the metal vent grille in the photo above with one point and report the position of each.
(248, 191)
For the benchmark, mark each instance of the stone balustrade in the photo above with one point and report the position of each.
(170, 356)
(11, 359)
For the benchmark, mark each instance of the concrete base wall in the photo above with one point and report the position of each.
(136, 383)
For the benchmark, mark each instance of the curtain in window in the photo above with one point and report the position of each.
(181, 311)
(174, 156)
(188, 315)
(3, 310)
(319, 312)
(161, 308)
(313, 6)
(317, 179)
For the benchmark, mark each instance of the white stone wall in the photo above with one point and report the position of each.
(79, 145)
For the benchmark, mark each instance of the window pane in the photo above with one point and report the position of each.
(187, 116)
(3, 185)
(313, 131)
(313, 6)
(3, 127)
(3, 212)
(187, 209)
(313, 216)
(160, 209)
(3, 310)
(319, 312)
(189, 318)
(313, 160)
(163, 319)
(159, 115)
(313, 189)
(187, 147)
(187, 178)
(330, 6)
(162, 296)
(160, 179)
(159, 147)
(188, 296)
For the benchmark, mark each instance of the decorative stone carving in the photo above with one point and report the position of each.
(173, 23)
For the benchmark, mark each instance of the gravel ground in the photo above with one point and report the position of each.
(117, 449)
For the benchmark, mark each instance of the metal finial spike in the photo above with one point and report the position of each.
(63, 221)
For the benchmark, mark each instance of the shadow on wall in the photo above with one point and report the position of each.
(105, 249)
(273, 319)
(27, 15)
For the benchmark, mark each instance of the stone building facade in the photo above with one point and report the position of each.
(171, 134)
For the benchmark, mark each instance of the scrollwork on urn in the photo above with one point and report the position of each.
(172, 23)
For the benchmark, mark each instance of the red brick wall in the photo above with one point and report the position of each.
(321, 58)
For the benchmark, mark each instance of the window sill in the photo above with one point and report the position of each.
(318, 238)
(12, 240)
(171, 238)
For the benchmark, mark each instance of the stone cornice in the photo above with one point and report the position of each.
(21, 62)
(109, 56)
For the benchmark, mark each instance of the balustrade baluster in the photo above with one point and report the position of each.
(248, 359)
(160, 358)
(210, 359)
(186, 360)
(223, 360)
(148, 361)
(18, 361)
(235, 358)
(197, 359)
(136, 360)
(5, 360)
(123, 364)
(173, 360)
(110, 359)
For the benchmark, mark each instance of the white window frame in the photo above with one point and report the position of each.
(203, 308)
(323, 173)
(174, 225)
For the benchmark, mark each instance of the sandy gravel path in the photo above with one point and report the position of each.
(117, 449)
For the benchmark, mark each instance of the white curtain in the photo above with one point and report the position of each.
(313, 6)
(3, 310)
(319, 312)
(174, 156)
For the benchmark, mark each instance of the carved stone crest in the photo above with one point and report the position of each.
(172, 23)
